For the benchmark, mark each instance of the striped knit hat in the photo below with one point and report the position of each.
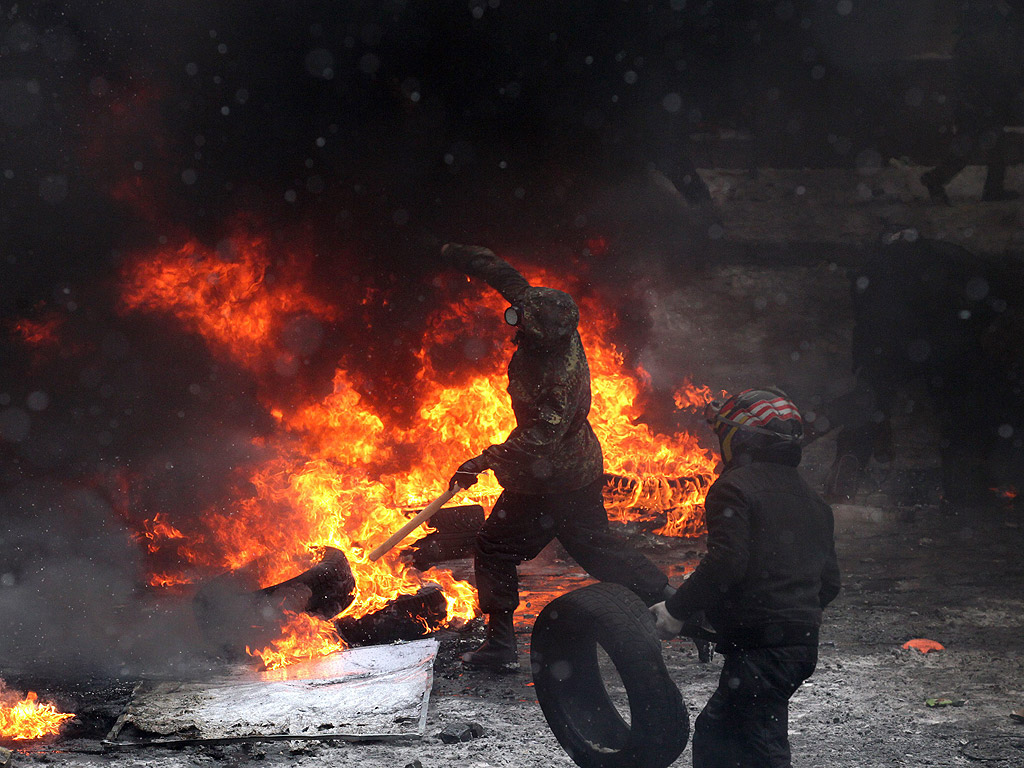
(767, 412)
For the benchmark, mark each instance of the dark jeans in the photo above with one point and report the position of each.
(521, 525)
(746, 722)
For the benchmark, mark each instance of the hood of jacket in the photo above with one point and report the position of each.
(549, 317)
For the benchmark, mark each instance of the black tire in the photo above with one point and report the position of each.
(407, 617)
(331, 583)
(572, 694)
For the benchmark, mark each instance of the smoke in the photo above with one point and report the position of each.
(104, 424)
(369, 133)
(69, 576)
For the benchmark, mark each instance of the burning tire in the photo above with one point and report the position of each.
(331, 584)
(407, 617)
(572, 693)
(232, 614)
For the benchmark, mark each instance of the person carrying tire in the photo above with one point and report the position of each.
(550, 466)
(769, 571)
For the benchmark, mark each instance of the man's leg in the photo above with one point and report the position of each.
(583, 531)
(745, 724)
(995, 189)
(513, 532)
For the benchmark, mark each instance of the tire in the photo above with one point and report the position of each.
(572, 694)
(232, 615)
(331, 583)
(407, 617)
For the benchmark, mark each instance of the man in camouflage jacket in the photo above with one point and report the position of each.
(550, 467)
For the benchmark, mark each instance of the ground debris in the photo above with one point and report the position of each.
(303, 747)
(923, 645)
(458, 732)
(943, 701)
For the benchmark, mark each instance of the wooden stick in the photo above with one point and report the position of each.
(420, 518)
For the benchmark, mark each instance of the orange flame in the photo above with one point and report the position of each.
(228, 299)
(39, 332)
(692, 398)
(156, 529)
(168, 580)
(1005, 492)
(303, 637)
(29, 719)
(343, 475)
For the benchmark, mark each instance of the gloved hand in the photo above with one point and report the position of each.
(666, 626)
(462, 256)
(466, 475)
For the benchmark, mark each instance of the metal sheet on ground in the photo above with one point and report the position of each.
(376, 692)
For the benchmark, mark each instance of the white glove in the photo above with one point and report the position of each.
(666, 626)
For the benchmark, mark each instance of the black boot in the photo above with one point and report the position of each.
(498, 652)
(843, 479)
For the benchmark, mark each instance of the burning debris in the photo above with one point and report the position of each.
(27, 718)
(237, 615)
(289, 441)
(341, 470)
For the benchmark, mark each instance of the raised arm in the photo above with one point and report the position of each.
(477, 261)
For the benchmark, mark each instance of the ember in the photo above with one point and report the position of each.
(38, 332)
(28, 718)
(341, 472)
(1007, 493)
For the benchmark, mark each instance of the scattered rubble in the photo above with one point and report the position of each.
(458, 732)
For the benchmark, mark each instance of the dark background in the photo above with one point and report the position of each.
(368, 133)
(398, 124)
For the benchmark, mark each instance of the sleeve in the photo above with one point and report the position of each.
(543, 429)
(830, 579)
(725, 564)
(477, 261)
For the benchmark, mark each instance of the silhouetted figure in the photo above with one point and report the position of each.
(988, 61)
(931, 311)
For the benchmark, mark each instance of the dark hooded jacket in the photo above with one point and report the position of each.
(553, 448)
(771, 562)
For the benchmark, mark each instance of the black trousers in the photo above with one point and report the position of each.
(745, 724)
(521, 525)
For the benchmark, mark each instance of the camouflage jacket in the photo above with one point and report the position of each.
(553, 448)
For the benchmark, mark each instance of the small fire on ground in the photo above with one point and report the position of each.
(25, 719)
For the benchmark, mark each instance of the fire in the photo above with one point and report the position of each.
(156, 529)
(654, 473)
(303, 637)
(691, 398)
(168, 580)
(39, 332)
(1005, 492)
(225, 297)
(29, 719)
(343, 474)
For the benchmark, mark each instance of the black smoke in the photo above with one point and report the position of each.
(371, 131)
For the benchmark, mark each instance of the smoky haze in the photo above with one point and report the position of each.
(369, 131)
